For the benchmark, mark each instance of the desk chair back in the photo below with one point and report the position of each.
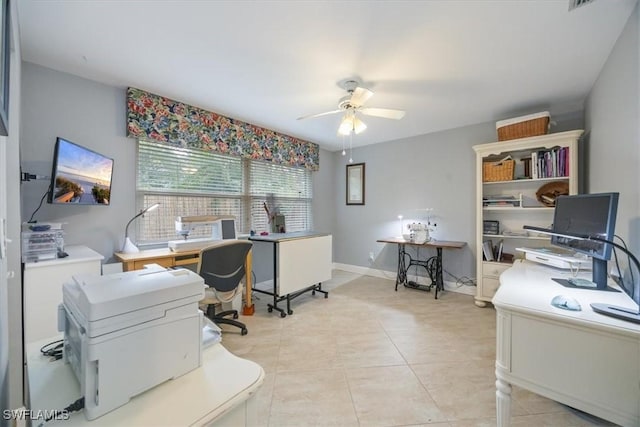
(222, 268)
(222, 265)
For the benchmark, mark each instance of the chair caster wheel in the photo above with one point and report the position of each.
(326, 296)
(313, 292)
(270, 309)
(244, 331)
(283, 314)
(289, 311)
(235, 315)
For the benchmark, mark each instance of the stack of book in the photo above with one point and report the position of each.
(550, 163)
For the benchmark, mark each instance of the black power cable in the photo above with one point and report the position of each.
(53, 349)
(40, 205)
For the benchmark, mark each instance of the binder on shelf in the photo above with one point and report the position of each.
(499, 252)
(487, 250)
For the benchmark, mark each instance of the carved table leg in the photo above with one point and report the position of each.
(503, 403)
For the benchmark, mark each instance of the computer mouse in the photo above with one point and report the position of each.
(566, 303)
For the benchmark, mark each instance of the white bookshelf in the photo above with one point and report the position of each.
(529, 210)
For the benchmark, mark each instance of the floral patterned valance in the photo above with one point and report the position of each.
(153, 117)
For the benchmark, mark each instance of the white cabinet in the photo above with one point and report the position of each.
(513, 203)
(42, 289)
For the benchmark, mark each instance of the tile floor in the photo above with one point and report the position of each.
(370, 356)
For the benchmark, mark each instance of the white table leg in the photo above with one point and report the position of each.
(503, 403)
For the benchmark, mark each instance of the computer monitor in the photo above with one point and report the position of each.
(589, 215)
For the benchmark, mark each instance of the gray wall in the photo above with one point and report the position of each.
(93, 115)
(90, 114)
(611, 117)
(430, 171)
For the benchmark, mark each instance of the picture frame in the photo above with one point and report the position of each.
(355, 184)
(5, 37)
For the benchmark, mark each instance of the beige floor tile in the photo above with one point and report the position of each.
(371, 356)
(311, 351)
(391, 396)
(479, 422)
(318, 398)
(368, 349)
(558, 420)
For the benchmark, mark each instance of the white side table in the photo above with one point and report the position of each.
(42, 287)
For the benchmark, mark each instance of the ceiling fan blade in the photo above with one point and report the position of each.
(359, 96)
(386, 113)
(311, 116)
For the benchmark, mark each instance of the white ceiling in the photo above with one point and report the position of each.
(447, 63)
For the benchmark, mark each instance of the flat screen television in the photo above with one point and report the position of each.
(590, 215)
(80, 176)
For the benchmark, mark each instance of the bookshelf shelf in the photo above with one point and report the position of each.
(513, 203)
(516, 209)
(528, 180)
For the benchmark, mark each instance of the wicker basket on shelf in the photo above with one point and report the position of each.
(523, 127)
(547, 193)
(498, 171)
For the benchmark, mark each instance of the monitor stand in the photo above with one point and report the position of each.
(575, 283)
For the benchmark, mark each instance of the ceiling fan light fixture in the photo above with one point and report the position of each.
(358, 125)
(350, 123)
(346, 125)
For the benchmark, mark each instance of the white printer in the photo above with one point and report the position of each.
(125, 333)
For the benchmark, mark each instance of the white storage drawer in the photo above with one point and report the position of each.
(493, 269)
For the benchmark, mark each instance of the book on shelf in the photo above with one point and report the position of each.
(550, 163)
(498, 250)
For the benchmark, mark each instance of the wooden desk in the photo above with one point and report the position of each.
(217, 390)
(433, 265)
(583, 359)
(167, 258)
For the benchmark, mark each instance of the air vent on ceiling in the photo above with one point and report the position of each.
(577, 3)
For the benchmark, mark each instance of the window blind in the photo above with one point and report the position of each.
(193, 182)
(286, 190)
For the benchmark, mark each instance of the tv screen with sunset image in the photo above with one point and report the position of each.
(80, 176)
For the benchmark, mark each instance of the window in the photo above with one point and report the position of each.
(194, 182)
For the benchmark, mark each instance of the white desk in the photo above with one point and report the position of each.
(583, 359)
(42, 284)
(215, 392)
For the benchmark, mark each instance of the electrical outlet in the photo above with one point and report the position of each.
(371, 258)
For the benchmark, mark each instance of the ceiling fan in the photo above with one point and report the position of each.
(354, 103)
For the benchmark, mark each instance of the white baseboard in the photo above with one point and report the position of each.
(391, 275)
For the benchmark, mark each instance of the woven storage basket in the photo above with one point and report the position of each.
(498, 171)
(523, 127)
(548, 192)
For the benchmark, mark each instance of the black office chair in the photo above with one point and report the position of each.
(222, 268)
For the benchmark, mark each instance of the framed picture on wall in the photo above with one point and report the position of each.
(5, 34)
(355, 184)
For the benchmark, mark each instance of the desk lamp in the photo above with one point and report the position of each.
(129, 247)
